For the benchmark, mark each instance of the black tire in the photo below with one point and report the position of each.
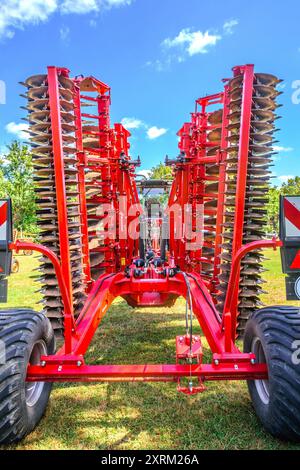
(273, 334)
(25, 335)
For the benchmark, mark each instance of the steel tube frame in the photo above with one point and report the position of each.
(228, 362)
(147, 372)
(233, 284)
(68, 363)
(81, 185)
(221, 187)
(58, 157)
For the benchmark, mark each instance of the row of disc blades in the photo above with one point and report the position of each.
(92, 140)
(41, 139)
(262, 130)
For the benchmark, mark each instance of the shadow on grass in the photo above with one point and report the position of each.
(147, 415)
(150, 416)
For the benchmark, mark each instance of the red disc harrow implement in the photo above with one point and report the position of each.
(93, 249)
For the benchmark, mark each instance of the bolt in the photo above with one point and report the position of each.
(79, 363)
(252, 361)
(216, 361)
(236, 366)
(43, 363)
(59, 368)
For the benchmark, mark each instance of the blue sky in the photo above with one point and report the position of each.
(158, 56)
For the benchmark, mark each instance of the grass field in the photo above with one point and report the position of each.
(147, 415)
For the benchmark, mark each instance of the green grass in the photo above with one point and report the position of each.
(145, 415)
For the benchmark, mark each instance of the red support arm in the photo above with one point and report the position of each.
(68, 312)
(230, 306)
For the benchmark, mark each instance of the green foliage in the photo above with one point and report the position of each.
(2, 185)
(16, 182)
(291, 187)
(273, 210)
(161, 172)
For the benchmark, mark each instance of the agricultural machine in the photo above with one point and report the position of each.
(95, 246)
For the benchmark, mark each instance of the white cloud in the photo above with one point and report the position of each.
(17, 14)
(132, 123)
(64, 33)
(277, 148)
(229, 25)
(161, 65)
(93, 23)
(17, 129)
(117, 3)
(3, 152)
(146, 173)
(79, 6)
(155, 132)
(285, 178)
(87, 6)
(191, 42)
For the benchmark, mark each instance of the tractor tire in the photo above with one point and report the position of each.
(273, 334)
(25, 335)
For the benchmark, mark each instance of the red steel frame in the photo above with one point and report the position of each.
(58, 156)
(68, 363)
(155, 287)
(222, 186)
(248, 80)
(81, 184)
(194, 145)
(188, 185)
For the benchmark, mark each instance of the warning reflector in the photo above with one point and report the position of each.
(291, 209)
(290, 237)
(3, 219)
(290, 233)
(5, 240)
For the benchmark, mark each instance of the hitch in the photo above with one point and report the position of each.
(189, 349)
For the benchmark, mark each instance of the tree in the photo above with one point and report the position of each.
(273, 209)
(291, 187)
(161, 172)
(16, 182)
(3, 193)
